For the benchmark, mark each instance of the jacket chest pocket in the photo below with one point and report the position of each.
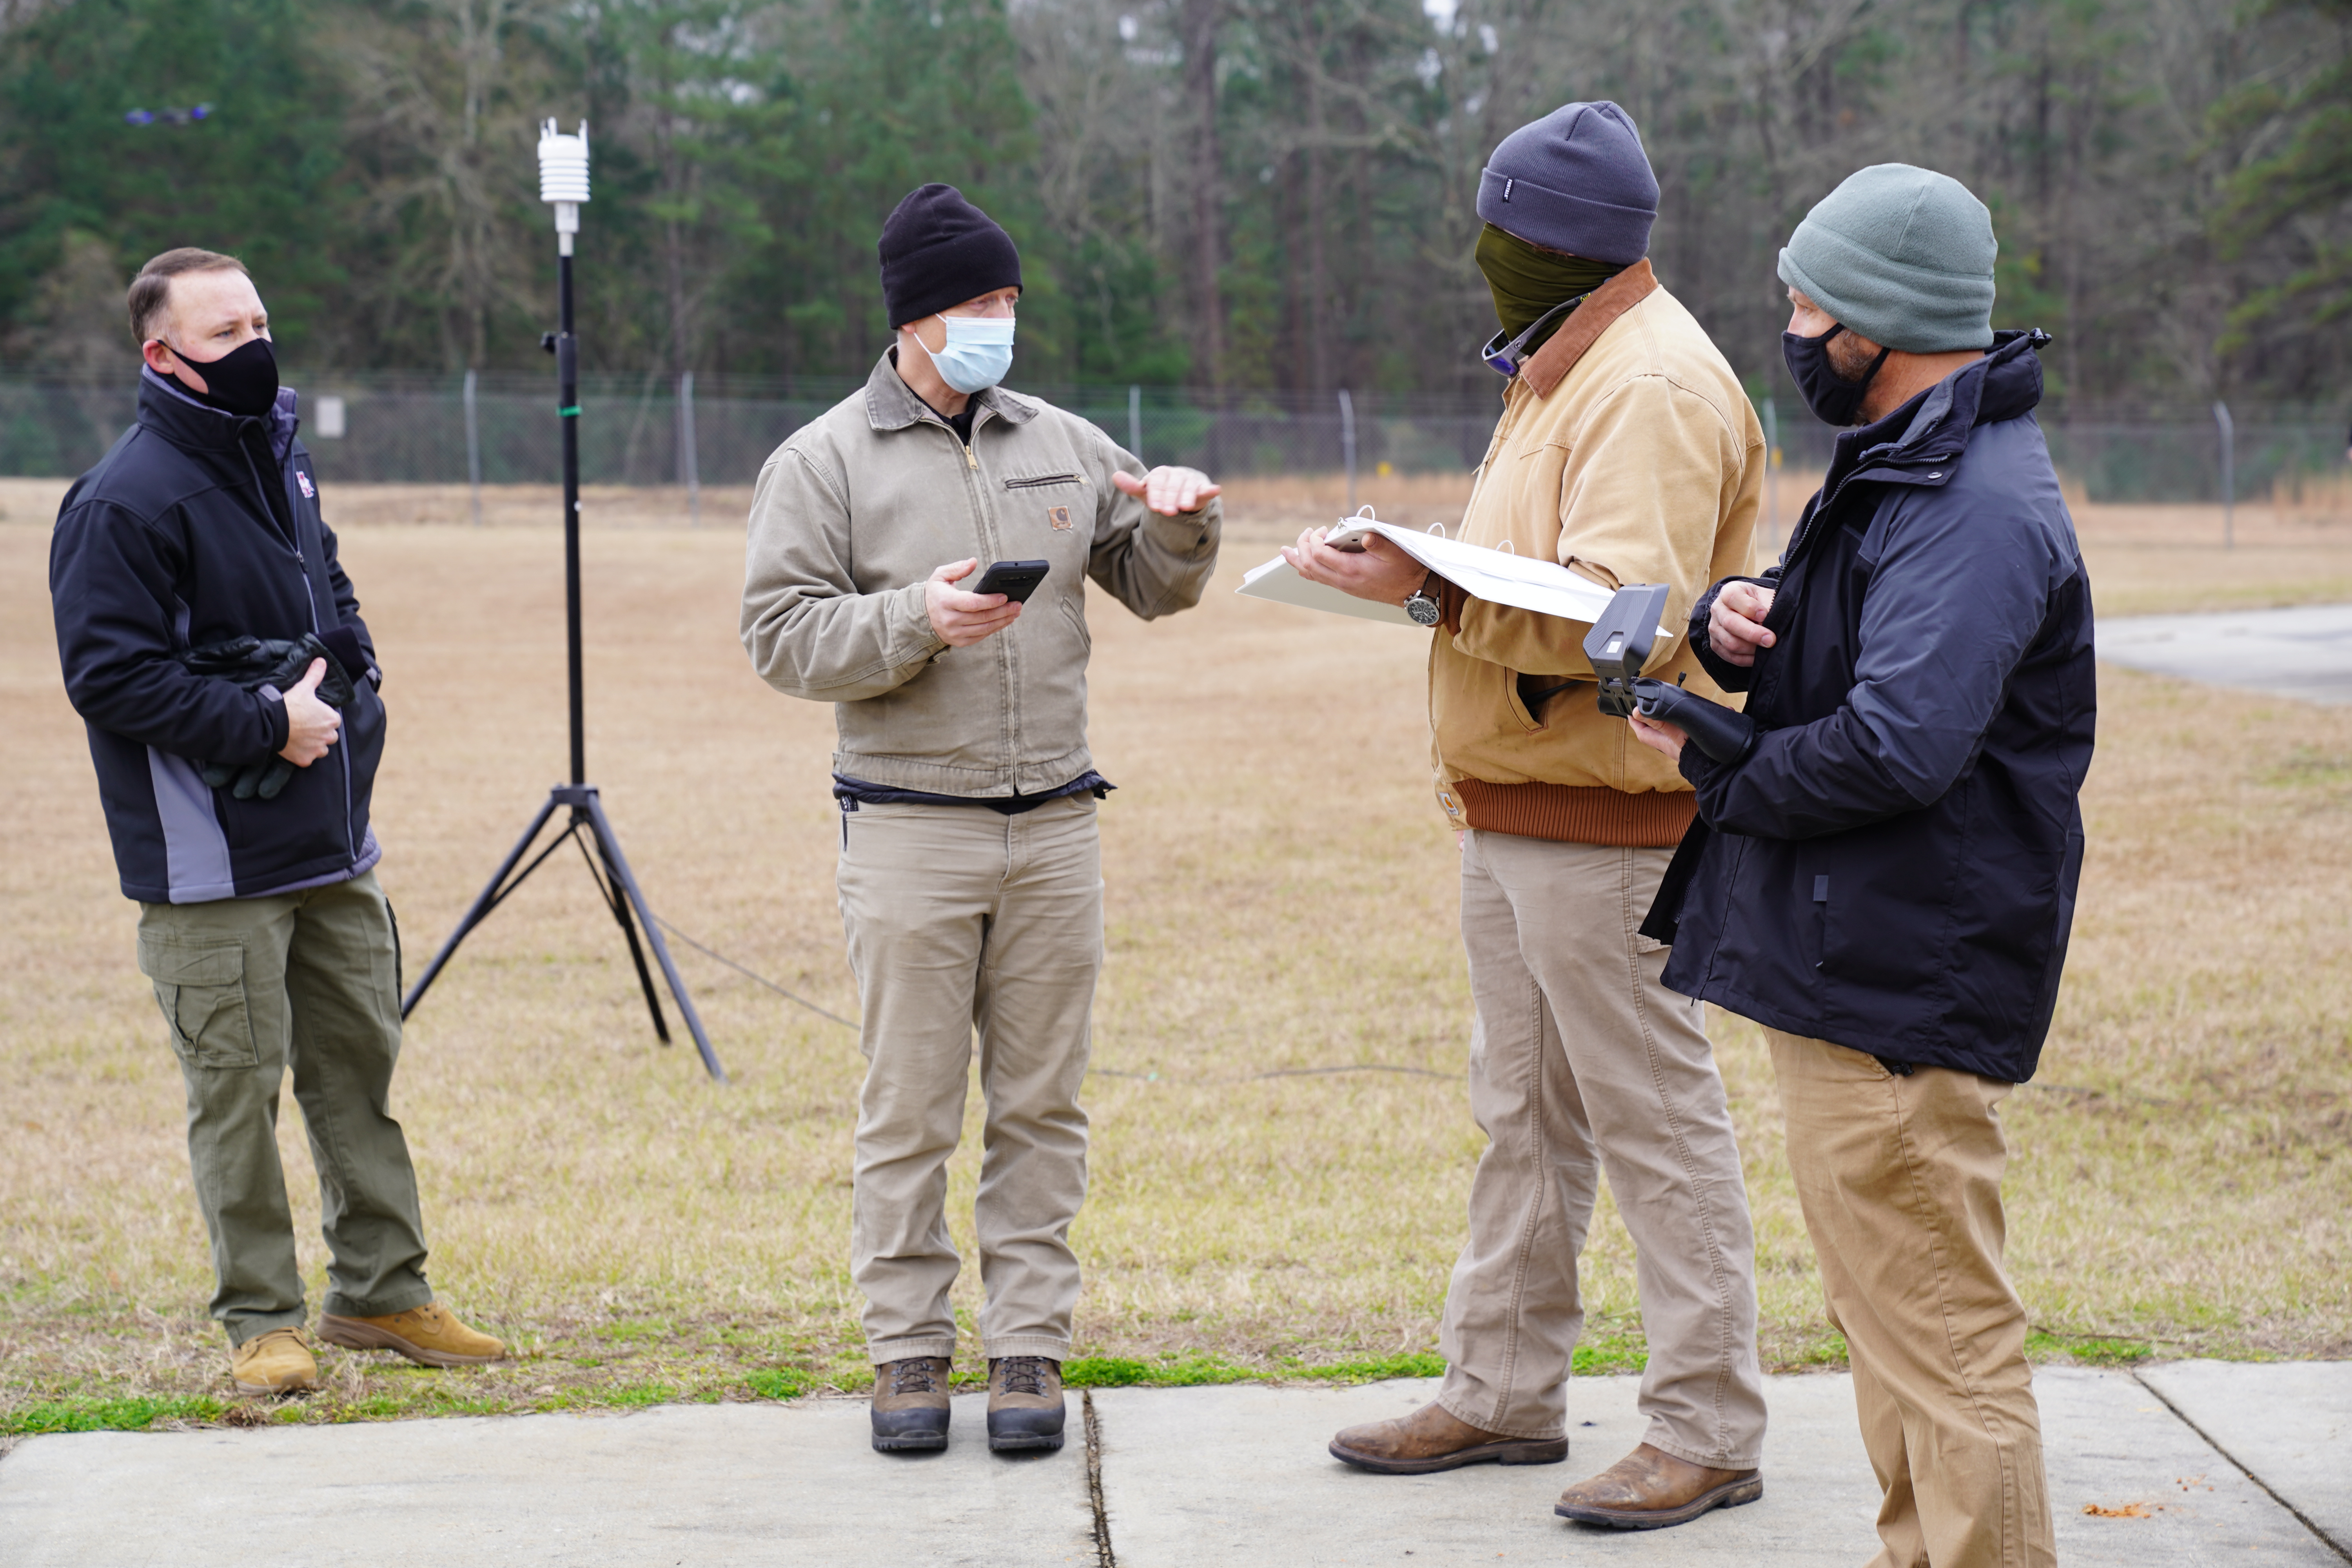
(202, 991)
(1057, 500)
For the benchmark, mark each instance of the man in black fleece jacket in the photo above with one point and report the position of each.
(212, 645)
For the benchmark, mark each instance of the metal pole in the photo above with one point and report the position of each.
(1772, 471)
(1348, 445)
(1135, 421)
(474, 446)
(2228, 475)
(567, 409)
(689, 473)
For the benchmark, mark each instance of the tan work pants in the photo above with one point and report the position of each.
(1900, 1180)
(959, 920)
(1580, 1062)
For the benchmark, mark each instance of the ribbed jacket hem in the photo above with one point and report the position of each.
(1574, 814)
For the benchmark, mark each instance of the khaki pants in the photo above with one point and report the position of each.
(959, 920)
(1582, 1062)
(250, 987)
(1900, 1179)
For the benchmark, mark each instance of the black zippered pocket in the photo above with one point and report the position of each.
(1041, 481)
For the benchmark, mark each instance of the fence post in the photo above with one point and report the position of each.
(1348, 445)
(473, 449)
(689, 470)
(2228, 475)
(1135, 421)
(1772, 471)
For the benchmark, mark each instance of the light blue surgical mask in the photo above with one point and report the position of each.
(977, 352)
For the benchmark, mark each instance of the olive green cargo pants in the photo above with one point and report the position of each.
(249, 987)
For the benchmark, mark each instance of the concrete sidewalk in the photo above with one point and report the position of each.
(2304, 652)
(1234, 1475)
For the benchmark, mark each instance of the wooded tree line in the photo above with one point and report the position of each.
(1237, 193)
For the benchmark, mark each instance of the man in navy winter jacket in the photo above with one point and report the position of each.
(213, 644)
(1886, 881)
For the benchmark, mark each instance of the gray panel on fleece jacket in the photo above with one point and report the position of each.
(857, 509)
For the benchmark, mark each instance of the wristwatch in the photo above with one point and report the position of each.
(1424, 609)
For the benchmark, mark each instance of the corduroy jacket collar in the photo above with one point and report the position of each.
(1584, 324)
(891, 404)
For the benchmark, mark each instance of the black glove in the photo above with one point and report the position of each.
(253, 663)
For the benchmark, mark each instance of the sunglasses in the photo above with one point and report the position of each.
(1505, 358)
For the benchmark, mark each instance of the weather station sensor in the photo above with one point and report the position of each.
(563, 185)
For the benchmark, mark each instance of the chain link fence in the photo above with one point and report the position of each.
(501, 428)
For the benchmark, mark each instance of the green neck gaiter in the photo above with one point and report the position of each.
(1525, 281)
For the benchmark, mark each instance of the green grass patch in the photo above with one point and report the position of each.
(778, 1382)
(1190, 1370)
(2090, 1349)
(105, 1415)
(1599, 1355)
(1407, 1363)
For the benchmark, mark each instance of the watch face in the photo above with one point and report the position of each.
(1423, 609)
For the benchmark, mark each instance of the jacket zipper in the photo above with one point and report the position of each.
(310, 599)
(1043, 480)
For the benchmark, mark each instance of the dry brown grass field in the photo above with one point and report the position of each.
(1281, 901)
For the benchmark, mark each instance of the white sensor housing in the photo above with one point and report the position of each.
(563, 173)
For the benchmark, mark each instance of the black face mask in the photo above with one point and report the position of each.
(1833, 399)
(242, 381)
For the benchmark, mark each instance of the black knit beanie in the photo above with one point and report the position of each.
(937, 249)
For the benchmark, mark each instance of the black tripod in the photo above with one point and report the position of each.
(613, 878)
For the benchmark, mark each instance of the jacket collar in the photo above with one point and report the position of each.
(165, 408)
(891, 404)
(1585, 324)
(1922, 441)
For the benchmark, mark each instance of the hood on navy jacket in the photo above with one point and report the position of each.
(198, 526)
(1892, 868)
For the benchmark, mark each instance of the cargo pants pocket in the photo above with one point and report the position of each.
(202, 991)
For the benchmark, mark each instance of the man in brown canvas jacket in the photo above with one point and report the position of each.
(1628, 453)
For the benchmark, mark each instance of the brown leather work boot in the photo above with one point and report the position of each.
(429, 1335)
(1432, 1439)
(1024, 1404)
(275, 1362)
(1649, 1488)
(910, 1404)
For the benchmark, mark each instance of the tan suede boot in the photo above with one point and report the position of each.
(275, 1362)
(1434, 1438)
(429, 1335)
(1650, 1488)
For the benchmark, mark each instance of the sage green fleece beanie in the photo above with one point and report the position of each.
(1902, 255)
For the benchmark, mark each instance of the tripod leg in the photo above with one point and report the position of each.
(610, 886)
(491, 893)
(610, 846)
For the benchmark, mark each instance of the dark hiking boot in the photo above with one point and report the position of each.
(910, 1406)
(1434, 1438)
(1024, 1404)
(1650, 1488)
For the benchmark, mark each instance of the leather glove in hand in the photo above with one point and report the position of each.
(253, 663)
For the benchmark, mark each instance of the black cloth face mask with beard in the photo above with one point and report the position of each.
(1833, 399)
(242, 381)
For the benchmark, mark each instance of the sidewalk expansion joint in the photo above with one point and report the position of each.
(2300, 1518)
(1104, 1556)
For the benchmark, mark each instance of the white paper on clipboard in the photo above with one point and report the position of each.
(1497, 577)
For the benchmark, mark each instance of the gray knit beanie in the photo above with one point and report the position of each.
(1576, 180)
(1902, 255)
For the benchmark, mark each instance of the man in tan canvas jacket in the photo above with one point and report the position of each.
(971, 875)
(1628, 453)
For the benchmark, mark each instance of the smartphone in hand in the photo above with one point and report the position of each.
(1016, 580)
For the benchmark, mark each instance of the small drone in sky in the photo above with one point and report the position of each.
(169, 116)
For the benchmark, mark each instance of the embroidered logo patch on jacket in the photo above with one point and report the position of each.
(1059, 516)
(304, 481)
